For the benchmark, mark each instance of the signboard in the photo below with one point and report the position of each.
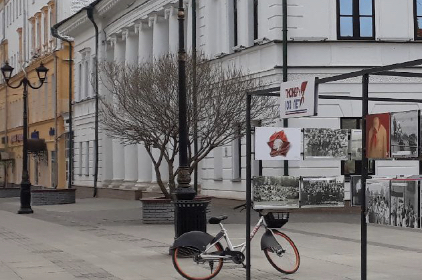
(298, 99)
(277, 143)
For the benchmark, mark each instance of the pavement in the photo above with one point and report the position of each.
(105, 239)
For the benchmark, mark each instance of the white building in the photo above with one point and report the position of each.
(325, 38)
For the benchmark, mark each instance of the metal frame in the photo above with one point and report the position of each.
(275, 91)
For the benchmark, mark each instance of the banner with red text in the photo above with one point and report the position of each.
(298, 99)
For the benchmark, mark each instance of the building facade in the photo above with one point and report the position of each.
(324, 38)
(26, 41)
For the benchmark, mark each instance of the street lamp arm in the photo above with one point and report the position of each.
(15, 87)
(35, 87)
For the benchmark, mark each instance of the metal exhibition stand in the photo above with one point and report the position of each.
(275, 92)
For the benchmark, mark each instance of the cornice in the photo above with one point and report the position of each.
(106, 6)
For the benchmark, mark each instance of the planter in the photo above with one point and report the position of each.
(52, 196)
(9, 192)
(160, 210)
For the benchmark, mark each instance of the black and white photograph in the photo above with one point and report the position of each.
(322, 192)
(404, 134)
(411, 205)
(326, 143)
(356, 144)
(356, 189)
(397, 203)
(275, 192)
(378, 201)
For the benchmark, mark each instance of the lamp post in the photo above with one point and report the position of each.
(184, 191)
(25, 192)
(189, 214)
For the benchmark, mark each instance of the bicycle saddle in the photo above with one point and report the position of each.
(217, 220)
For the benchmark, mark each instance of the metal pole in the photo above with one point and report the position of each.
(90, 15)
(364, 175)
(70, 172)
(248, 186)
(184, 190)
(195, 100)
(25, 192)
(285, 74)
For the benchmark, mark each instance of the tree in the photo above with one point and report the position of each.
(143, 108)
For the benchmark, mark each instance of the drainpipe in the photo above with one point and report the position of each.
(90, 14)
(56, 34)
(285, 121)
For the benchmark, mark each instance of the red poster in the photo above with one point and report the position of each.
(378, 136)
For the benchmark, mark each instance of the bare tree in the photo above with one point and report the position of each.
(143, 108)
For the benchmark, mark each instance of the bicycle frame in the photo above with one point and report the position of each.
(224, 234)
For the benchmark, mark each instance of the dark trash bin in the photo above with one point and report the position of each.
(190, 215)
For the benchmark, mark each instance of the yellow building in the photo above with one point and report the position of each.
(47, 106)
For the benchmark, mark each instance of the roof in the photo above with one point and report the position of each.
(90, 6)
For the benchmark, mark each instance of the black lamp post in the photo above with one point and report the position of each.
(184, 191)
(189, 214)
(25, 194)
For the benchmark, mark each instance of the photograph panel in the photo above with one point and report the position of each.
(378, 136)
(356, 189)
(322, 192)
(325, 143)
(378, 201)
(275, 192)
(404, 134)
(356, 144)
(277, 143)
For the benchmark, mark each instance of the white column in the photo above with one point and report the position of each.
(160, 35)
(245, 23)
(118, 149)
(211, 26)
(160, 42)
(131, 151)
(171, 16)
(188, 23)
(144, 55)
(106, 145)
(263, 24)
(145, 169)
(145, 42)
(225, 26)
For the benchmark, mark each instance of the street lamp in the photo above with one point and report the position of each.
(25, 193)
(189, 214)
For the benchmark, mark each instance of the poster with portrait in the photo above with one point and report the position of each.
(277, 143)
(378, 201)
(378, 136)
(404, 134)
(356, 144)
(273, 192)
(325, 143)
(322, 192)
(356, 189)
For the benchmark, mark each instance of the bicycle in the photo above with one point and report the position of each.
(200, 256)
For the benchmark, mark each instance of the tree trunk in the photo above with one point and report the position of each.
(160, 181)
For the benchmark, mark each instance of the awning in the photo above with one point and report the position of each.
(36, 145)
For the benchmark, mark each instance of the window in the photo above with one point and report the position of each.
(87, 158)
(218, 163)
(255, 19)
(355, 19)
(418, 19)
(80, 159)
(354, 167)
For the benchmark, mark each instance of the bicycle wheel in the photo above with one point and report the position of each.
(287, 259)
(189, 264)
